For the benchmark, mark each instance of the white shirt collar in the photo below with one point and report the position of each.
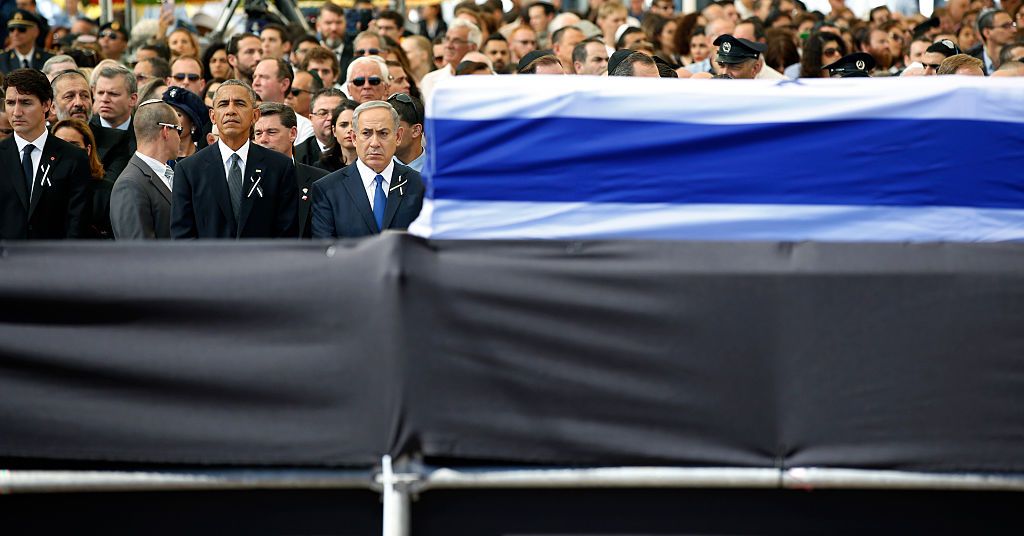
(369, 176)
(38, 142)
(123, 126)
(226, 152)
(25, 57)
(157, 166)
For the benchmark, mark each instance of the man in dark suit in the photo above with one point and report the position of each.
(276, 130)
(44, 179)
(321, 106)
(115, 97)
(234, 188)
(140, 204)
(375, 192)
(23, 28)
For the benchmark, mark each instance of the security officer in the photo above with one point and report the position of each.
(858, 64)
(113, 41)
(23, 28)
(738, 58)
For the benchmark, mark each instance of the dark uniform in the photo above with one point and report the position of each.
(736, 50)
(858, 64)
(9, 61)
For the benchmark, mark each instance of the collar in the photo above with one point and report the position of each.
(985, 58)
(31, 52)
(38, 142)
(368, 175)
(157, 166)
(226, 152)
(123, 126)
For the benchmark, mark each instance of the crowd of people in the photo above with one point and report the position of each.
(167, 131)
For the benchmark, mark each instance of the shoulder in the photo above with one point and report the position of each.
(209, 153)
(310, 171)
(62, 148)
(407, 172)
(269, 156)
(332, 180)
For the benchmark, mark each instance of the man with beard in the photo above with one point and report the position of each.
(244, 52)
(72, 97)
(875, 41)
(496, 48)
(330, 27)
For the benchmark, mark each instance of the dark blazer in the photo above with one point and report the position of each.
(140, 205)
(308, 152)
(115, 147)
(341, 209)
(201, 203)
(58, 207)
(9, 60)
(978, 51)
(306, 175)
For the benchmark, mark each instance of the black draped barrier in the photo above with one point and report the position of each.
(777, 355)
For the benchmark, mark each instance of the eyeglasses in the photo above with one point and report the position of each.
(1007, 25)
(297, 91)
(455, 41)
(110, 35)
(192, 77)
(831, 51)
(367, 51)
(373, 80)
(19, 29)
(322, 113)
(179, 128)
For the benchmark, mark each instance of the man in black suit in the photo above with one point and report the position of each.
(23, 28)
(234, 188)
(321, 106)
(375, 192)
(115, 97)
(276, 130)
(140, 203)
(44, 179)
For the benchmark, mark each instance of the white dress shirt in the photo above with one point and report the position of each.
(123, 126)
(225, 156)
(369, 179)
(158, 167)
(28, 57)
(304, 130)
(37, 153)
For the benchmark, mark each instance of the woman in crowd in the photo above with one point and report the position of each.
(210, 90)
(343, 152)
(419, 51)
(215, 62)
(686, 26)
(782, 49)
(183, 43)
(821, 49)
(76, 132)
(431, 22)
(661, 32)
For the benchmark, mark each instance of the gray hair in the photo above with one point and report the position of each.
(474, 32)
(60, 58)
(285, 112)
(381, 64)
(114, 71)
(370, 105)
(367, 33)
(147, 118)
(64, 74)
(236, 82)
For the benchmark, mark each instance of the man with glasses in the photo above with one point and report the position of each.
(140, 203)
(410, 113)
(996, 29)
(369, 44)
(374, 193)
(272, 80)
(23, 27)
(368, 79)
(150, 69)
(187, 73)
(299, 97)
(234, 189)
(461, 38)
(43, 188)
(113, 41)
(322, 105)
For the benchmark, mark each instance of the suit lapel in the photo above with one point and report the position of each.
(354, 186)
(148, 172)
(16, 179)
(249, 176)
(395, 195)
(215, 170)
(44, 174)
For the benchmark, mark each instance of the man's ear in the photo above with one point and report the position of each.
(399, 135)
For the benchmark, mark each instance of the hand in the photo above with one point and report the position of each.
(166, 21)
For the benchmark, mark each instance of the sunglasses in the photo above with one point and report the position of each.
(367, 51)
(179, 128)
(296, 91)
(373, 80)
(830, 51)
(110, 35)
(18, 29)
(401, 97)
(192, 77)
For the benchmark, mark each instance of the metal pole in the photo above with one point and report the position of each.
(106, 10)
(129, 16)
(396, 501)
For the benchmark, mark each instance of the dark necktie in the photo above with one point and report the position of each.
(24, 64)
(235, 185)
(380, 200)
(26, 166)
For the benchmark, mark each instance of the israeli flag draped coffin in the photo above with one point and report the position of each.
(915, 159)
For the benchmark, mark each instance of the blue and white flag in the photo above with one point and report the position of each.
(911, 159)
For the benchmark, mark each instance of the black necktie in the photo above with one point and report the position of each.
(24, 63)
(235, 184)
(26, 166)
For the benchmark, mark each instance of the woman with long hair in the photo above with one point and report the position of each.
(343, 152)
(686, 26)
(77, 133)
(182, 42)
(820, 49)
(662, 32)
(215, 62)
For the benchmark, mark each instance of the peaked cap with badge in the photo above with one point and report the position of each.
(858, 64)
(737, 50)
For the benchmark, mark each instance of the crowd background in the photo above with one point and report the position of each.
(100, 74)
